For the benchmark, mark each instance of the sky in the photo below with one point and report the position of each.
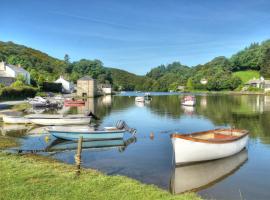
(136, 35)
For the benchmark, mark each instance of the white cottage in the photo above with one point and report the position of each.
(105, 88)
(67, 87)
(8, 73)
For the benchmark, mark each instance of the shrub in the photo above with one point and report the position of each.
(17, 93)
(52, 87)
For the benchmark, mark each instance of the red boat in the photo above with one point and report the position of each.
(74, 102)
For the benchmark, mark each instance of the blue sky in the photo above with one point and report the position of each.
(136, 35)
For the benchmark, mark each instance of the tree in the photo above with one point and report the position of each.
(66, 59)
(265, 69)
(189, 84)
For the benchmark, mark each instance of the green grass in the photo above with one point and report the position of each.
(34, 177)
(245, 76)
(21, 107)
(7, 142)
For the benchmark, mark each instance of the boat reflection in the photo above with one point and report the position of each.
(64, 145)
(139, 104)
(14, 129)
(188, 110)
(198, 176)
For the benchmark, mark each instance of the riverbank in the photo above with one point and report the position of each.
(36, 177)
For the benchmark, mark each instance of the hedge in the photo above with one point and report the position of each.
(52, 87)
(17, 93)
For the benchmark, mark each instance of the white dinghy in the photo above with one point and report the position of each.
(15, 120)
(208, 145)
(52, 120)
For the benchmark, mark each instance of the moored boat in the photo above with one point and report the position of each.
(208, 145)
(47, 119)
(89, 133)
(188, 101)
(74, 102)
(15, 120)
(139, 99)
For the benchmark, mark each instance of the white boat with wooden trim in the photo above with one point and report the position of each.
(15, 120)
(208, 145)
(201, 175)
(51, 120)
(139, 99)
(189, 101)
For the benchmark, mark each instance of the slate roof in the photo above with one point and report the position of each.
(17, 69)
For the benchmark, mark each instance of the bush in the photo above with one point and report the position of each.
(254, 89)
(17, 93)
(52, 87)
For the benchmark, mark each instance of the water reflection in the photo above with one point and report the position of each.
(63, 145)
(149, 160)
(14, 130)
(197, 176)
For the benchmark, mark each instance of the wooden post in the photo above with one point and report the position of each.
(78, 156)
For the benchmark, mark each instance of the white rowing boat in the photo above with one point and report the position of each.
(208, 145)
(15, 120)
(139, 99)
(189, 101)
(47, 119)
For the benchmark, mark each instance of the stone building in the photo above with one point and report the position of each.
(8, 73)
(87, 87)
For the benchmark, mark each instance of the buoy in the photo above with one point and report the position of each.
(152, 135)
(47, 138)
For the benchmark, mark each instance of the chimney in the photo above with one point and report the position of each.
(2, 65)
(19, 65)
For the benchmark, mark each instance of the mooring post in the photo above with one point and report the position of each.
(78, 156)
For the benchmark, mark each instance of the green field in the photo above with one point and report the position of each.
(245, 76)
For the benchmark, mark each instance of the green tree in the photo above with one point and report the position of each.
(265, 69)
(189, 85)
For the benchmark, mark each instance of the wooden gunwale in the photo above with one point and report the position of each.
(191, 137)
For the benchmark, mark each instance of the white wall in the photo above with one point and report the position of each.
(107, 90)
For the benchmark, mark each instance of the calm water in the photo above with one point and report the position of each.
(149, 159)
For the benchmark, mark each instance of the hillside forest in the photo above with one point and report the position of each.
(220, 73)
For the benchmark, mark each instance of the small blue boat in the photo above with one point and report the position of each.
(89, 133)
(74, 133)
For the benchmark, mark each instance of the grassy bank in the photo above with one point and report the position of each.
(35, 177)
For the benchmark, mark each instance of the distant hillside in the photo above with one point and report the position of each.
(222, 73)
(40, 65)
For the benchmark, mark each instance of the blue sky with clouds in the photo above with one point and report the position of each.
(136, 35)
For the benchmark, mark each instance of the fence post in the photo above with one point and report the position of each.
(78, 156)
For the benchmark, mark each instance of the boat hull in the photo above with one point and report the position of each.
(187, 151)
(139, 99)
(188, 103)
(15, 120)
(88, 136)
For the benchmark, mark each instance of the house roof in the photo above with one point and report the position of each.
(255, 81)
(86, 78)
(17, 69)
